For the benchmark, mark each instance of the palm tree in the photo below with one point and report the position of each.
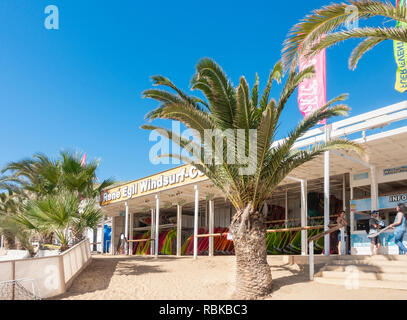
(237, 108)
(41, 176)
(11, 201)
(44, 180)
(322, 29)
(61, 214)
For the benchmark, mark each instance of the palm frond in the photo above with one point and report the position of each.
(366, 45)
(396, 34)
(322, 22)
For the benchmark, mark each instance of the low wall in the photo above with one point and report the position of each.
(52, 275)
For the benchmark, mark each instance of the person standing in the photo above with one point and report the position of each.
(399, 227)
(342, 221)
(375, 225)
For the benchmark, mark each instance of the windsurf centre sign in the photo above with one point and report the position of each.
(159, 182)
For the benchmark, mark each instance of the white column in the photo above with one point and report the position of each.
(103, 234)
(196, 221)
(352, 213)
(311, 260)
(157, 224)
(179, 229)
(326, 202)
(152, 235)
(286, 209)
(211, 225)
(126, 228)
(344, 242)
(374, 189)
(2, 242)
(131, 233)
(304, 214)
(112, 235)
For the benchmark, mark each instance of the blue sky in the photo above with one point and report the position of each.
(79, 87)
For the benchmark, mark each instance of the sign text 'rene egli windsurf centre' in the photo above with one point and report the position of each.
(159, 182)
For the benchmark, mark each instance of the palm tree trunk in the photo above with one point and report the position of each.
(253, 274)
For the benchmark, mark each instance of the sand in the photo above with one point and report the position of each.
(167, 278)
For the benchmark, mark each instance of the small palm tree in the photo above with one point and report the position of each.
(322, 29)
(10, 204)
(11, 200)
(61, 214)
(237, 108)
(44, 180)
(41, 175)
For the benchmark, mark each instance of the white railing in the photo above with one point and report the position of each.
(53, 274)
(366, 121)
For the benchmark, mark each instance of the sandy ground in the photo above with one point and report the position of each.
(167, 278)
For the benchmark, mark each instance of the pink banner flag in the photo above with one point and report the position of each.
(312, 91)
(83, 160)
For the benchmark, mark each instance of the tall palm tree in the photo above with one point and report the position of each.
(224, 108)
(326, 27)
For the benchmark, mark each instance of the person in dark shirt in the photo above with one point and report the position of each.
(375, 225)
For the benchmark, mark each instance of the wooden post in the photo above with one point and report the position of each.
(211, 225)
(179, 229)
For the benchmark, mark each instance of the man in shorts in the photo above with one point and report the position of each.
(375, 225)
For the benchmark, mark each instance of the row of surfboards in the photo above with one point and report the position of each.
(167, 243)
(277, 243)
(290, 242)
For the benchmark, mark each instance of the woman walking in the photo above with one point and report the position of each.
(399, 226)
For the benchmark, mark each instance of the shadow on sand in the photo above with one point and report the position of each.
(98, 275)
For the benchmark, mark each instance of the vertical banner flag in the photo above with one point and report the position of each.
(312, 91)
(400, 49)
(83, 161)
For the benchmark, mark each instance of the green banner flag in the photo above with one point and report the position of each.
(400, 50)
